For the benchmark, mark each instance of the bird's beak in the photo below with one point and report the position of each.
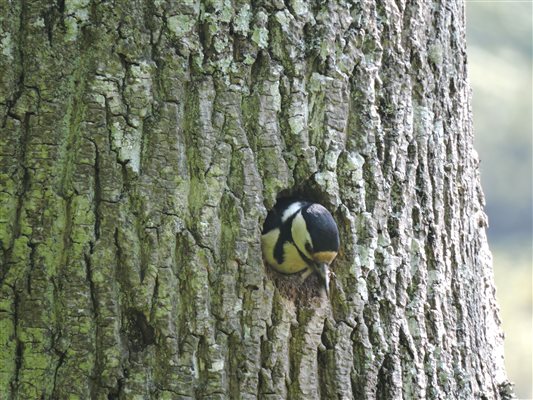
(322, 270)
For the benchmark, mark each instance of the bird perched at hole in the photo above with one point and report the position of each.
(300, 235)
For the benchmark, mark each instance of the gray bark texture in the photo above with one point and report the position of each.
(142, 144)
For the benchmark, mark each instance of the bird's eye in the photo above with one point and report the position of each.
(308, 247)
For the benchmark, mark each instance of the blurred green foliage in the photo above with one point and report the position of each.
(499, 37)
(513, 278)
(499, 47)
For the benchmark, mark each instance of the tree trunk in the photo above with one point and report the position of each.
(142, 145)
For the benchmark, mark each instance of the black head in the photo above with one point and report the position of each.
(322, 228)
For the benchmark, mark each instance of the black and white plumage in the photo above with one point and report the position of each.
(300, 235)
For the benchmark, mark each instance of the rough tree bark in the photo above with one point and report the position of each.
(142, 143)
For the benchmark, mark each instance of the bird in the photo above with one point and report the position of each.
(300, 235)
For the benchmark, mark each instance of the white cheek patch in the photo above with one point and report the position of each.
(300, 235)
(289, 212)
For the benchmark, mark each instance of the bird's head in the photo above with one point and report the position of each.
(316, 235)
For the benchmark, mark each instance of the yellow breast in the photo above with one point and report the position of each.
(292, 261)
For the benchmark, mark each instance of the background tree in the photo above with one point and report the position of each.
(500, 50)
(144, 141)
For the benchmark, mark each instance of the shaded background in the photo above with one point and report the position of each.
(499, 38)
